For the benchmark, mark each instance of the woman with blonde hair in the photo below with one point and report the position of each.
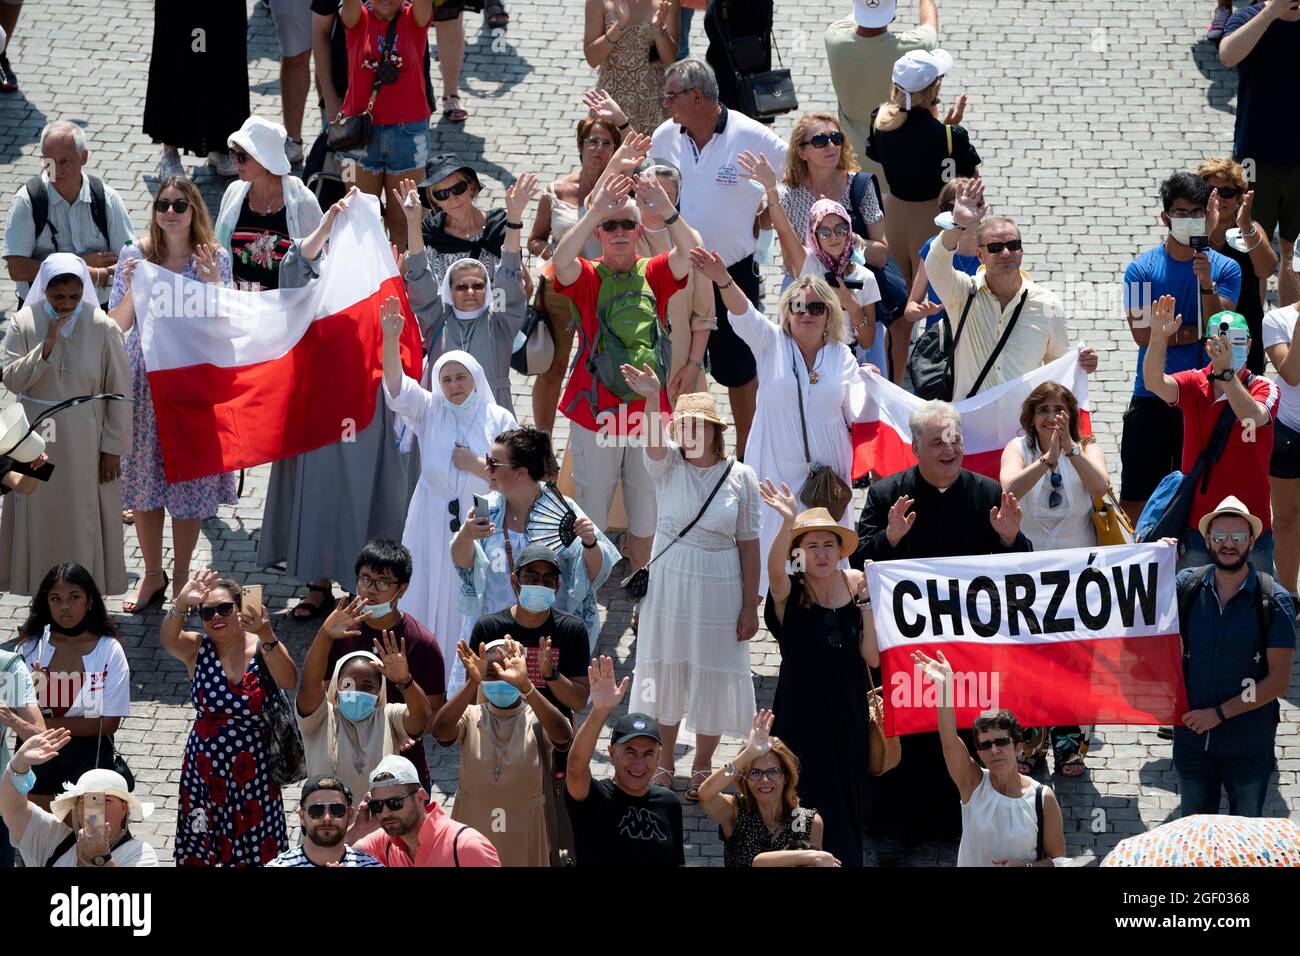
(810, 387)
(181, 240)
(765, 825)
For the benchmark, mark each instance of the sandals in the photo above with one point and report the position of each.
(692, 794)
(128, 516)
(453, 114)
(667, 773)
(1073, 766)
(314, 610)
(155, 597)
(494, 12)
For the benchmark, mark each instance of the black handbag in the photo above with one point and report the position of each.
(931, 361)
(351, 132)
(638, 582)
(824, 488)
(119, 765)
(285, 754)
(764, 93)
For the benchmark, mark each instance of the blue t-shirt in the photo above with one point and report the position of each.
(1154, 274)
(1266, 130)
(1224, 648)
(967, 264)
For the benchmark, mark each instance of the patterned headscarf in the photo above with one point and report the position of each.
(821, 209)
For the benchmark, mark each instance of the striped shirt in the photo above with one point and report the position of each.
(298, 857)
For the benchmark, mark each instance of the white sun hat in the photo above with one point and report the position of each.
(13, 425)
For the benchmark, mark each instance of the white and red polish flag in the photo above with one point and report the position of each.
(243, 378)
(1059, 638)
(882, 439)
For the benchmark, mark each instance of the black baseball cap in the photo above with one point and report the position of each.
(324, 781)
(636, 725)
(537, 552)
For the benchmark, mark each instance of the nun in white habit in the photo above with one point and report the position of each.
(454, 424)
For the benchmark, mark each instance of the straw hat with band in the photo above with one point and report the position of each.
(108, 782)
(819, 519)
(1231, 506)
(695, 405)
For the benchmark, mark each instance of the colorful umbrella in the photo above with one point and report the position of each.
(1212, 840)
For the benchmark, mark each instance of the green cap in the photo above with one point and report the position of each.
(1234, 320)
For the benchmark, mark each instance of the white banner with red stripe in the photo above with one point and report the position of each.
(1080, 636)
(243, 378)
(882, 439)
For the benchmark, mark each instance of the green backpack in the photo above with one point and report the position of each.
(627, 331)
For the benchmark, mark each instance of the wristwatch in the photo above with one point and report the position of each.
(101, 860)
(1075, 449)
(1224, 376)
(406, 686)
(272, 645)
(1218, 709)
(696, 362)
(593, 544)
(673, 218)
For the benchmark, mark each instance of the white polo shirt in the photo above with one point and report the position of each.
(715, 198)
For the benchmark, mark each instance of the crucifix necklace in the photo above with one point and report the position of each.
(497, 745)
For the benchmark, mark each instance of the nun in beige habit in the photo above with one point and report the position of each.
(61, 345)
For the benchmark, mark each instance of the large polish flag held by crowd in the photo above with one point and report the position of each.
(244, 378)
(882, 438)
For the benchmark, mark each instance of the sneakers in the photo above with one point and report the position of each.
(171, 163)
(1219, 22)
(8, 81)
(224, 163)
(293, 149)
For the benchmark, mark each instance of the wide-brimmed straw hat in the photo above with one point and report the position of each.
(696, 405)
(819, 519)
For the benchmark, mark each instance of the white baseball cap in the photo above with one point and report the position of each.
(914, 71)
(264, 141)
(399, 768)
(874, 13)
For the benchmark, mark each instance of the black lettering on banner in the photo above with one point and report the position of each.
(905, 589)
(1093, 622)
(950, 606)
(1137, 593)
(1051, 623)
(1020, 601)
(984, 584)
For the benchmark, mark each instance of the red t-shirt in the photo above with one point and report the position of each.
(439, 845)
(401, 102)
(1242, 469)
(575, 403)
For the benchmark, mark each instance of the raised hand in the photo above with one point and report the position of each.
(1213, 212)
(969, 208)
(916, 311)
(391, 319)
(957, 112)
(1164, 322)
(606, 692)
(42, 748)
(513, 668)
(604, 107)
(660, 19)
(1005, 518)
(585, 529)
(392, 659)
(196, 589)
(407, 195)
(343, 621)
(619, 13)
(1220, 353)
(521, 192)
(475, 666)
(937, 669)
(650, 195)
(757, 168)
(332, 213)
(760, 740)
(1246, 212)
(901, 519)
(544, 655)
(612, 196)
(630, 152)
(782, 501)
(710, 265)
(208, 263)
(644, 381)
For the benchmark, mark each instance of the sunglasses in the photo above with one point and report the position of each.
(180, 205)
(995, 742)
(493, 464)
(453, 509)
(392, 803)
(224, 609)
(1055, 498)
(825, 232)
(1012, 245)
(457, 190)
(815, 307)
(617, 225)
(1228, 192)
(1238, 538)
(337, 810)
(469, 287)
(821, 140)
(241, 157)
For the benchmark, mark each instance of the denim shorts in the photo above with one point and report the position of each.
(395, 148)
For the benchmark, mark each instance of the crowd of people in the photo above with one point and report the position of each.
(471, 551)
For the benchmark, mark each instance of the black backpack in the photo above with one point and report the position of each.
(1264, 608)
(40, 201)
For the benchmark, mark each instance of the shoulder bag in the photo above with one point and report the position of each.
(350, 132)
(764, 93)
(1171, 522)
(824, 488)
(285, 753)
(1110, 521)
(883, 753)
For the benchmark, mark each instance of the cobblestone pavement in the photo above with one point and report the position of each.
(1084, 108)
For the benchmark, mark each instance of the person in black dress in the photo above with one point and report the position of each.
(934, 510)
(827, 642)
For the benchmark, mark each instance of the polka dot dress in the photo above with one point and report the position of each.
(230, 812)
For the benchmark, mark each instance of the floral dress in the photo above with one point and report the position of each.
(230, 812)
(144, 486)
(632, 78)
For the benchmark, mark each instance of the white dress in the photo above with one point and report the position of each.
(688, 661)
(1069, 524)
(998, 827)
(775, 446)
(435, 586)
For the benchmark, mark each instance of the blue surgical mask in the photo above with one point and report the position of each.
(357, 705)
(500, 692)
(1239, 354)
(375, 611)
(536, 597)
(466, 408)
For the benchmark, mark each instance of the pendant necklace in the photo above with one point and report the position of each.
(812, 374)
(497, 746)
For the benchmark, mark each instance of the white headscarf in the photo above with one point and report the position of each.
(444, 290)
(447, 426)
(62, 264)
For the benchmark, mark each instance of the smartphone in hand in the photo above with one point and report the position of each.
(93, 817)
(480, 507)
(253, 599)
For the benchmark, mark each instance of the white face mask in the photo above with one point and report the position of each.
(1183, 229)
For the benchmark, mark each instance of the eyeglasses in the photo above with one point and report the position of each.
(995, 742)
(822, 140)
(469, 286)
(457, 190)
(379, 584)
(1186, 214)
(241, 157)
(771, 773)
(595, 142)
(318, 810)
(1056, 497)
(619, 225)
(493, 465)
(815, 307)
(453, 509)
(392, 803)
(1011, 245)
(1238, 538)
(668, 96)
(180, 205)
(532, 578)
(224, 609)
(825, 232)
